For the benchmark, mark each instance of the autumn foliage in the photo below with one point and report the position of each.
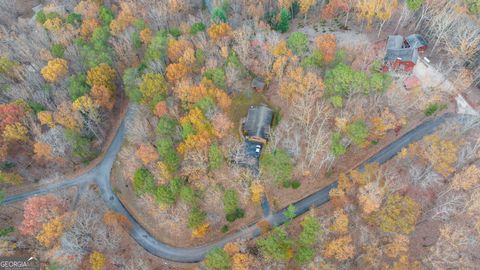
(97, 260)
(176, 71)
(176, 48)
(42, 151)
(46, 118)
(55, 70)
(147, 153)
(10, 114)
(161, 109)
(341, 249)
(15, 132)
(51, 231)
(218, 31)
(103, 96)
(102, 74)
(327, 44)
(39, 210)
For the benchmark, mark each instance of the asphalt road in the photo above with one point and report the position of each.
(101, 174)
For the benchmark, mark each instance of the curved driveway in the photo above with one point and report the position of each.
(101, 174)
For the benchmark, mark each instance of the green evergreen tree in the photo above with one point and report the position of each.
(284, 23)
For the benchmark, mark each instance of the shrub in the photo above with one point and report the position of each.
(337, 101)
(314, 60)
(164, 194)
(276, 245)
(157, 48)
(40, 17)
(217, 259)
(52, 15)
(230, 201)
(187, 130)
(296, 184)
(284, 22)
(166, 126)
(175, 32)
(187, 194)
(197, 27)
(217, 76)
(278, 165)
(219, 15)
(97, 51)
(143, 181)
(304, 255)
(106, 15)
(205, 104)
(357, 132)
(224, 229)
(196, 218)
(7, 230)
(337, 148)
(414, 5)
(74, 19)
(139, 24)
(57, 50)
(81, 146)
(215, 157)
(167, 151)
(36, 107)
(136, 40)
(130, 77)
(297, 42)
(433, 108)
(237, 214)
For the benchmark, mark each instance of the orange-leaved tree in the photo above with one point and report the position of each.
(176, 48)
(102, 96)
(42, 151)
(147, 153)
(327, 44)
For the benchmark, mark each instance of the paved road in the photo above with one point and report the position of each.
(101, 174)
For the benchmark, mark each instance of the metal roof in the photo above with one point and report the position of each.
(258, 121)
(407, 54)
(394, 42)
(416, 41)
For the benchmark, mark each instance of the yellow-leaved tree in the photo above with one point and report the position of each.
(467, 178)
(219, 31)
(51, 231)
(15, 132)
(153, 85)
(200, 231)
(102, 74)
(55, 69)
(340, 223)
(442, 154)
(399, 214)
(97, 260)
(46, 118)
(341, 248)
(257, 191)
